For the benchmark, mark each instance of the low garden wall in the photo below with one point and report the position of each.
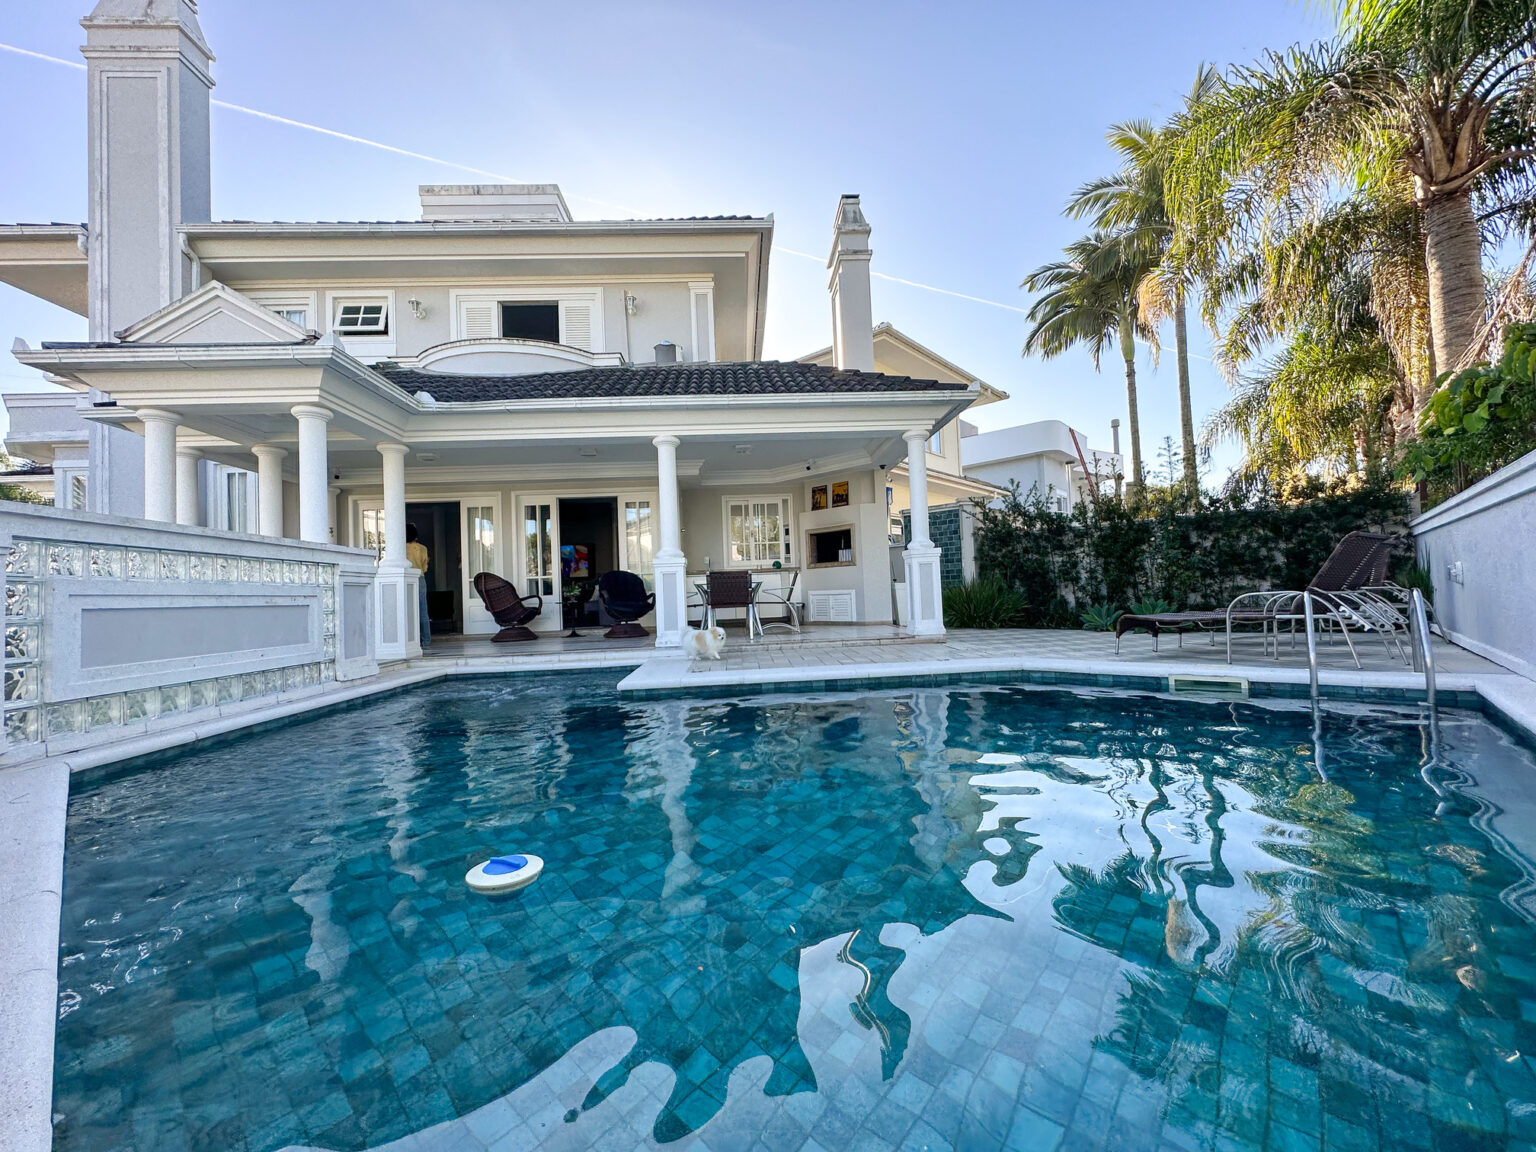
(115, 627)
(1478, 547)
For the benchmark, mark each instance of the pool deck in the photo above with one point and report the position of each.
(34, 797)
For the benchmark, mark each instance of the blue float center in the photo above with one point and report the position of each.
(501, 865)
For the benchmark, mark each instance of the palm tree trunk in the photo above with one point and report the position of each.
(1128, 350)
(1186, 415)
(1453, 255)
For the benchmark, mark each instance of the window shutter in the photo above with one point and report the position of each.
(576, 324)
(477, 319)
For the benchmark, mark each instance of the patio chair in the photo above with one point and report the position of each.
(784, 596)
(1338, 598)
(1357, 561)
(732, 589)
(509, 609)
(623, 596)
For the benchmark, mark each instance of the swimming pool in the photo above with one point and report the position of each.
(973, 917)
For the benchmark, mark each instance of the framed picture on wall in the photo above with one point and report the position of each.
(818, 498)
(840, 494)
(575, 561)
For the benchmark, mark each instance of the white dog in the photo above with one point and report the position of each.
(701, 642)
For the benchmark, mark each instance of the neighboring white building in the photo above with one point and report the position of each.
(513, 380)
(1047, 456)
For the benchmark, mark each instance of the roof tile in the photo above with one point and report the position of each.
(744, 378)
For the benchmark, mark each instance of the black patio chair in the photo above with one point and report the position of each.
(509, 609)
(623, 596)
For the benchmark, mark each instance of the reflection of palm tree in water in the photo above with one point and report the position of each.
(1368, 961)
(794, 836)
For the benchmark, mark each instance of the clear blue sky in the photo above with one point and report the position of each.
(964, 126)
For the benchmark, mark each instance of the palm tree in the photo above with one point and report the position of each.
(1089, 299)
(1133, 199)
(1421, 105)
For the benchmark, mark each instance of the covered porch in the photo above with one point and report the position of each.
(779, 470)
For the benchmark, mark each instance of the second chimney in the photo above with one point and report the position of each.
(853, 323)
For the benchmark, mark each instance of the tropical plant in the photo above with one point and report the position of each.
(1134, 200)
(985, 603)
(1100, 617)
(1151, 606)
(1411, 125)
(1479, 419)
(1089, 299)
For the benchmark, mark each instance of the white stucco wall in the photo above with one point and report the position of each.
(1477, 546)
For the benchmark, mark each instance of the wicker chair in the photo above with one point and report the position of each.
(507, 608)
(623, 596)
(731, 589)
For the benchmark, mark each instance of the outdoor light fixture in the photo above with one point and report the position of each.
(589, 451)
(743, 449)
(631, 305)
(416, 309)
(426, 457)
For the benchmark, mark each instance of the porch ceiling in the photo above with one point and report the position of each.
(710, 461)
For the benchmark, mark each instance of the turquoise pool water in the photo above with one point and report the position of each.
(974, 918)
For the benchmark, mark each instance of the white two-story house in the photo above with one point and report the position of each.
(545, 398)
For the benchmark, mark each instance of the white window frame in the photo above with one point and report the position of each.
(701, 312)
(787, 528)
(280, 302)
(936, 443)
(221, 511)
(530, 294)
(365, 347)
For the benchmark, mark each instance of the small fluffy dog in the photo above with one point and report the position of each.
(702, 642)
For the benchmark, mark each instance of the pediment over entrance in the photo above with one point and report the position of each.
(506, 357)
(214, 314)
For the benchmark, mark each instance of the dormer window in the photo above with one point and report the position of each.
(531, 321)
(362, 317)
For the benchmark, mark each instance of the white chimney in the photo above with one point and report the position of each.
(147, 83)
(523, 203)
(853, 318)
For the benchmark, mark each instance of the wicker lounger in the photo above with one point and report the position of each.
(1180, 623)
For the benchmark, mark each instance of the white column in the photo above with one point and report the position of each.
(189, 497)
(399, 636)
(925, 596)
(159, 464)
(314, 473)
(393, 457)
(670, 565)
(269, 488)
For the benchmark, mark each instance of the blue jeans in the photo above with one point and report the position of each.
(421, 610)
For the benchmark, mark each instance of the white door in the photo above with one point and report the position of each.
(538, 520)
(482, 553)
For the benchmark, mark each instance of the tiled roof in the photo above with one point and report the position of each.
(748, 378)
(481, 220)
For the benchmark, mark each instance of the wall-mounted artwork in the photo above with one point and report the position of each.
(575, 562)
(819, 498)
(840, 494)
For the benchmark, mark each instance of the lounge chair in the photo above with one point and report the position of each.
(507, 608)
(1339, 596)
(623, 596)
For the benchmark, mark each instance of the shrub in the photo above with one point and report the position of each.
(984, 604)
(1100, 617)
(1106, 555)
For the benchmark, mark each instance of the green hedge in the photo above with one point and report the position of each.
(1062, 564)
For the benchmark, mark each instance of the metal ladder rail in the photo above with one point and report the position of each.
(1423, 650)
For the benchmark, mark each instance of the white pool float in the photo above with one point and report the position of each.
(504, 873)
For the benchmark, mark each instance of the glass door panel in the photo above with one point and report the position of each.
(540, 544)
(481, 554)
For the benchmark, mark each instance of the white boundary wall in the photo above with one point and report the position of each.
(1480, 548)
(116, 627)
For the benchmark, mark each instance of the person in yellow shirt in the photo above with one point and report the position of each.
(416, 556)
